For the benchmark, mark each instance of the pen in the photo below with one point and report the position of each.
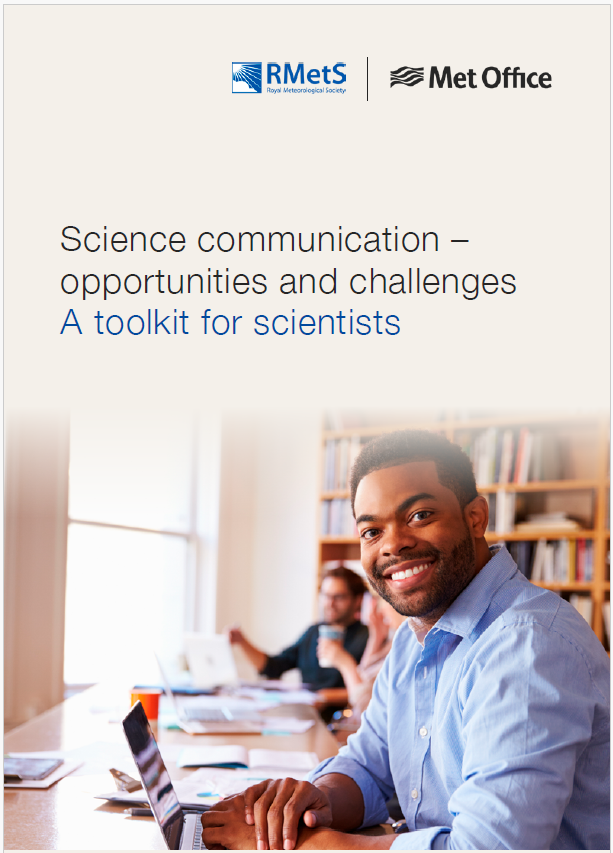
(138, 812)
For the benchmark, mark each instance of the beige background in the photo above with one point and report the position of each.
(124, 117)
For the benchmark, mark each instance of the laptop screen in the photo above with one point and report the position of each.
(154, 776)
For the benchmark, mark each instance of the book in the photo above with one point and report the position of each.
(572, 560)
(521, 445)
(236, 756)
(580, 566)
(506, 457)
(522, 555)
(505, 511)
(606, 618)
(589, 560)
(524, 453)
(582, 603)
(538, 561)
(548, 520)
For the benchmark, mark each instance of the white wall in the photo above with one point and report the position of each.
(267, 558)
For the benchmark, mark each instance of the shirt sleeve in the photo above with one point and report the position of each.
(276, 665)
(365, 758)
(528, 715)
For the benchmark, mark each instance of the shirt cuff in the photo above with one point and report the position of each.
(434, 838)
(375, 810)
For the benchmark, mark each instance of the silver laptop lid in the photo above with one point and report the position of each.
(210, 659)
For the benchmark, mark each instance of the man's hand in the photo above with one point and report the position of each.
(274, 808)
(234, 634)
(223, 826)
(333, 651)
(378, 627)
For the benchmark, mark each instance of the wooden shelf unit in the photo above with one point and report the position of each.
(585, 439)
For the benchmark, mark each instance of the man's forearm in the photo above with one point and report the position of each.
(331, 839)
(256, 656)
(346, 800)
(348, 668)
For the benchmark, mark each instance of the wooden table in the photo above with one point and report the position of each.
(67, 817)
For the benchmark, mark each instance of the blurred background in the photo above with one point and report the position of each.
(125, 530)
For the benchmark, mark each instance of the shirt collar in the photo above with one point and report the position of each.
(464, 613)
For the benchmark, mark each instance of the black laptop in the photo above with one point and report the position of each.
(181, 830)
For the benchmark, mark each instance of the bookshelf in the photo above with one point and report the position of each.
(550, 507)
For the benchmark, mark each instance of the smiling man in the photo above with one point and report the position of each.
(490, 718)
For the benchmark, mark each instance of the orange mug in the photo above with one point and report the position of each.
(149, 699)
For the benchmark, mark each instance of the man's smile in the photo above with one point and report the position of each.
(406, 574)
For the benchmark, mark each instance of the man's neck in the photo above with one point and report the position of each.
(420, 627)
(422, 624)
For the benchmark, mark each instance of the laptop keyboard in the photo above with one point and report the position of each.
(198, 843)
(204, 715)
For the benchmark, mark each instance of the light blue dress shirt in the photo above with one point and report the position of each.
(495, 734)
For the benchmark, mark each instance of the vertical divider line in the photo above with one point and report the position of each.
(367, 78)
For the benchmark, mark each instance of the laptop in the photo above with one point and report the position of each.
(181, 830)
(196, 719)
(210, 660)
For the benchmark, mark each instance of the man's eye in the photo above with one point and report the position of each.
(421, 515)
(369, 533)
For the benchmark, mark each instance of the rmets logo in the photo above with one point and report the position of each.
(247, 78)
(406, 76)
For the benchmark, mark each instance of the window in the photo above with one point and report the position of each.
(132, 573)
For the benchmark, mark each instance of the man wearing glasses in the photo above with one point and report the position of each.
(341, 599)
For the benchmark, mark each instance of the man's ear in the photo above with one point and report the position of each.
(476, 514)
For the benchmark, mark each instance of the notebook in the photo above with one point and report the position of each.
(235, 756)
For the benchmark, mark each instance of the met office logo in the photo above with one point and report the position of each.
(491, 77)
(406, 76)
(297, 78)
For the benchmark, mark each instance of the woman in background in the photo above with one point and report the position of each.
(383, 622)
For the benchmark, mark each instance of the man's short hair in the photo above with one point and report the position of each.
(453, 466)
(355, 584)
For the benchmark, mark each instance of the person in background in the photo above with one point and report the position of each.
(341, 599)
(359, 678)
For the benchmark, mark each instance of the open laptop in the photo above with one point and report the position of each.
(198, 719)
(210, 660)
(181, 830)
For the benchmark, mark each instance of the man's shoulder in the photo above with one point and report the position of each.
(551, 622)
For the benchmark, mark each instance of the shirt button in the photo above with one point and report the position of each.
(423, 731)
(414, 793)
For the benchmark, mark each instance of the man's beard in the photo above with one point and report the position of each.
(452, 574)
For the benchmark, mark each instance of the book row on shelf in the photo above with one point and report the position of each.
(337, 518)
(502, 512)
(339, 456)
(502, 456)
(499, 456)
(558, 561)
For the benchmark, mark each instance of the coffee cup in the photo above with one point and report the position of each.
(329, 632)
(149, 699)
